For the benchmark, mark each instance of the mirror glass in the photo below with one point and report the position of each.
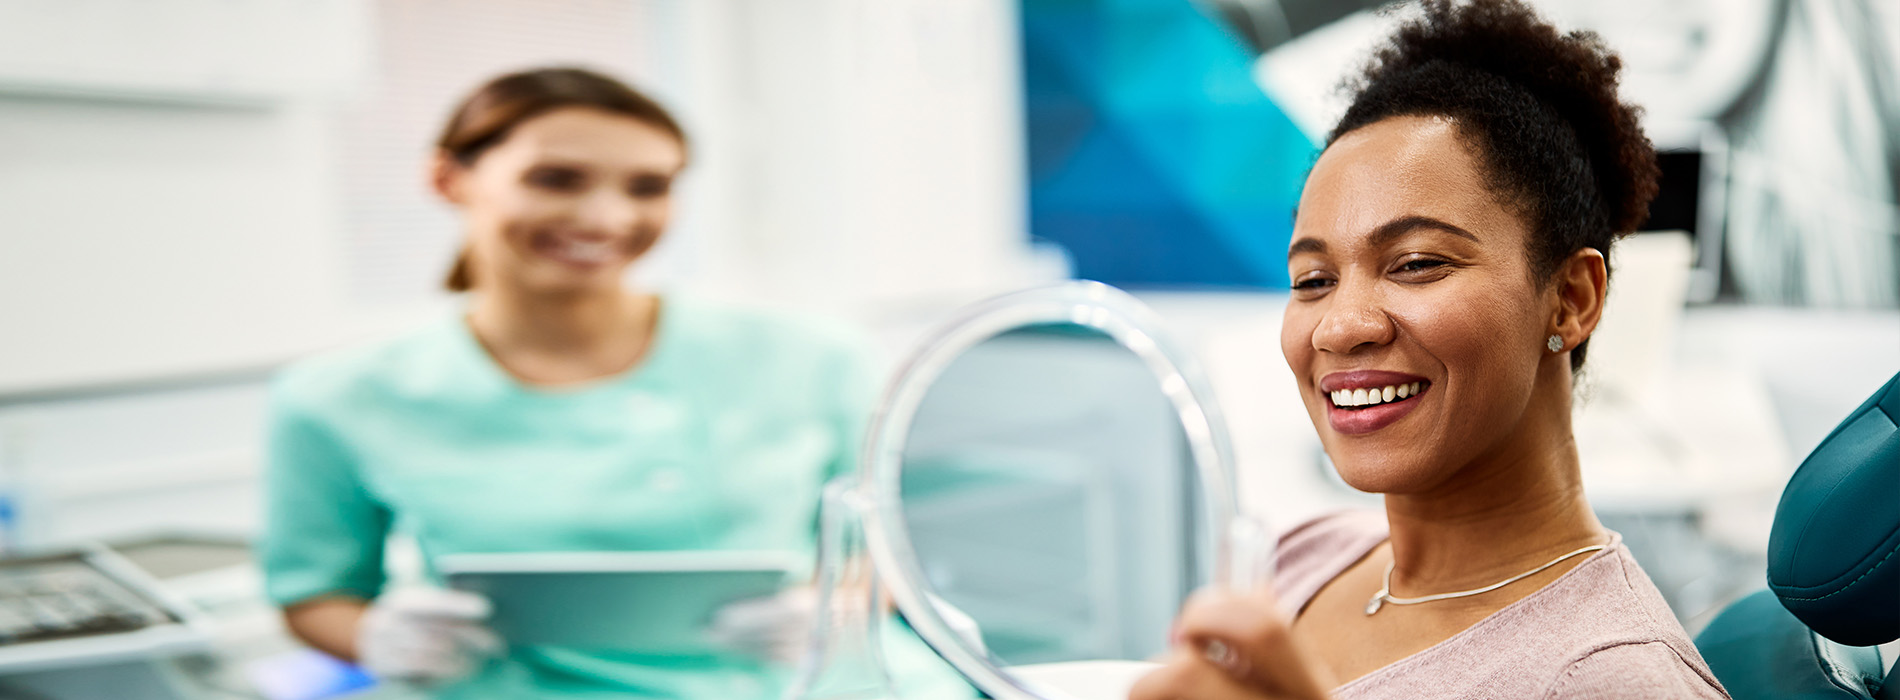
(1047, 488)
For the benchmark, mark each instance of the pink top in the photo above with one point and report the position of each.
(1601, 630)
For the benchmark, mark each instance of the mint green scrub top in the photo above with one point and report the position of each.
(720, 439)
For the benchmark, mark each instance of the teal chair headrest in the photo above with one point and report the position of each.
(1760, 652)
(1832, 555)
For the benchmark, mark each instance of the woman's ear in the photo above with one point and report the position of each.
(447, 176)
(1583, 284)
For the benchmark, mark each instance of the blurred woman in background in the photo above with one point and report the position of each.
(563, 410)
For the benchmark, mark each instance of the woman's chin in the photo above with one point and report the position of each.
(567, 282)
(1386, 476)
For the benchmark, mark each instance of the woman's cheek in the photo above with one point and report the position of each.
(643, 241)
(1480, 346)
(1296, 347)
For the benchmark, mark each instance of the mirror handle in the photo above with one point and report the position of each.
(1245, 560)
(844, 657)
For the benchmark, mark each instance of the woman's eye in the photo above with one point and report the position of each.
(650, 186)
(559, 179)
(1419, 264)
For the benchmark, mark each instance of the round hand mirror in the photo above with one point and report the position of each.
(1044, 483)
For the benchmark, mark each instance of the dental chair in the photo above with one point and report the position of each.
(1833, 574)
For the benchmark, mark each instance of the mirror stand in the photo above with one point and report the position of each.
(845, 659)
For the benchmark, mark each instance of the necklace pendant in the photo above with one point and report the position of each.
(1378, 601)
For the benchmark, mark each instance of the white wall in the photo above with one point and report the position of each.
(176, 216)
(242, 52)
(104, 467)
(850, 154)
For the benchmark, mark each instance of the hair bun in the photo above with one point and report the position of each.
(1574, 74)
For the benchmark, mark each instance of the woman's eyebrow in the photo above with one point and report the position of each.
(559, 162)
(1395, 228)
(1306, 244)
(1385, 233)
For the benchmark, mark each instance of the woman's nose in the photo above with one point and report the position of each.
(609, 212)
(1354, 319)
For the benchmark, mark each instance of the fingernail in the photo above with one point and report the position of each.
(1217, 652)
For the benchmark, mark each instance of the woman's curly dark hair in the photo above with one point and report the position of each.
(1539, 106)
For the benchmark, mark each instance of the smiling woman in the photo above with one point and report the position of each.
(553, 122)
(567, 410)
(1422, 275)
(1449, 263)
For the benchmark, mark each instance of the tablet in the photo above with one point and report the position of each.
(640, 602)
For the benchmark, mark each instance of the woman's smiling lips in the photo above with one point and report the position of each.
(575, 251)
(1362, 401)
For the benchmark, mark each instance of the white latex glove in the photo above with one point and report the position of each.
(776, 628)
(425, 635)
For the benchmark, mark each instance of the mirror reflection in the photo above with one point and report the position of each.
(1047, 488)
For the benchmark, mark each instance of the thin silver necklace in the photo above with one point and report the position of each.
(1385, 590)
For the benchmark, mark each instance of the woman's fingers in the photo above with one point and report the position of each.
(1245, 635)
(1186, 675)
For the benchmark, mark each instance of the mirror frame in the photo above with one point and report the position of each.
(1087, 304)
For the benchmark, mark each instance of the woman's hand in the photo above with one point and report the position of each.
(425, 635)
(1233, 645)
(775, 628)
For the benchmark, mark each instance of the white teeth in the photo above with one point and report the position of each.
(587, 252)
(1375, 395)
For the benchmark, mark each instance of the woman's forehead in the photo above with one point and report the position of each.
(589, 135)
(1395, 168)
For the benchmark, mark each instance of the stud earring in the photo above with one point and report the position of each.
(1555, 343)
